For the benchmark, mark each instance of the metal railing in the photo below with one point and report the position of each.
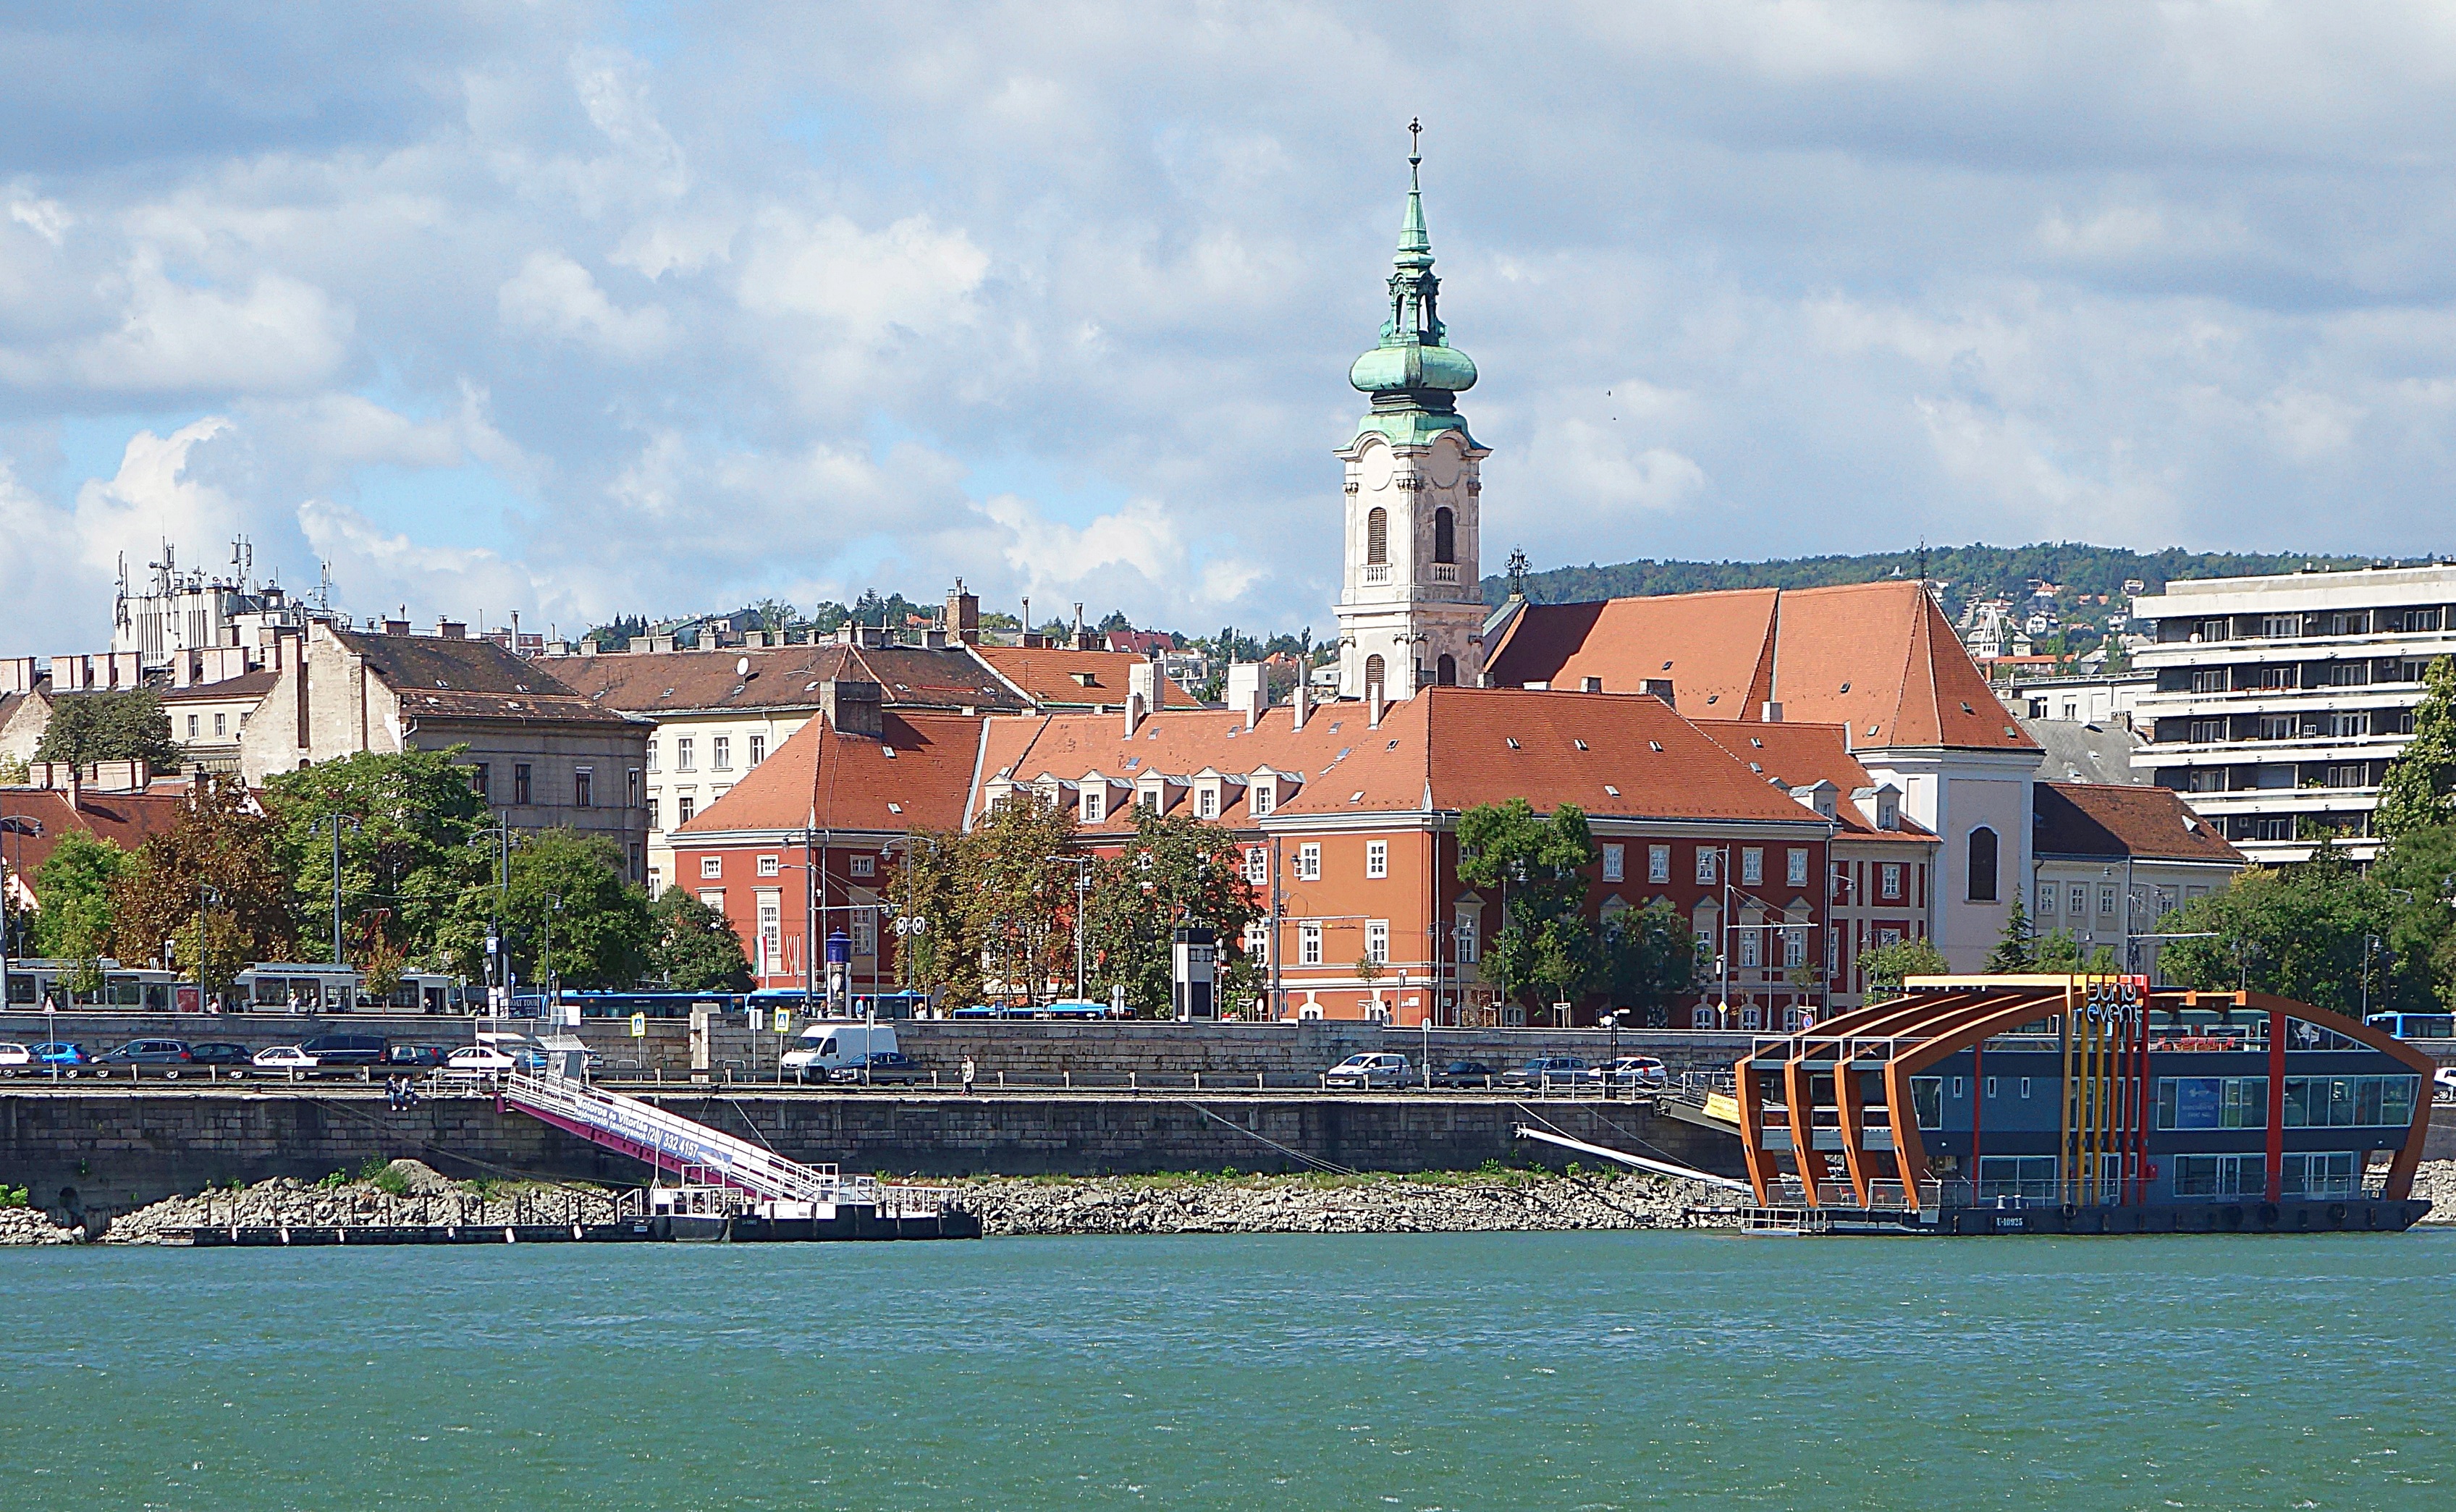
(672, 1139)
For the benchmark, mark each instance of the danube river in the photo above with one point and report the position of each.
(1436, 1371)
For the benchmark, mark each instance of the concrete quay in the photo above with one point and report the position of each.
(114, 1146)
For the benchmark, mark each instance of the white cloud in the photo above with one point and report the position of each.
(553, 296)
(280, 335)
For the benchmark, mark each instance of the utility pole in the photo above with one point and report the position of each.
(338, 820)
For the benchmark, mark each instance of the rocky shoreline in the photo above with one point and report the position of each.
(1492, 1200)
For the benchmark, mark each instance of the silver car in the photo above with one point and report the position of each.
(1368, 1071)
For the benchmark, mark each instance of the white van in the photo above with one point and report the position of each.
(836, 1046)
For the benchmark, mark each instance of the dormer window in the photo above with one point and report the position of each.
(1095, 805)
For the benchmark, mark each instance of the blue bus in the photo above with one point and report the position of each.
(654, 1005)
(2415, 1025)
(862, 1005)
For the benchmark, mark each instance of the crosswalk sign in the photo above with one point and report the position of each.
(784, 1019)
(639, 1025)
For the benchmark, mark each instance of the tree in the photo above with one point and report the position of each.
(1650, 959)
(570, 887)
(2058, 952)
(2417, 868)
(213, 888)
(1539, 865)
(1886, 967)
(130, 726)
(13, 773)
(694, 948)
(2017, 948)
(2418, 788)
(2301, 931)
(73, 889)
(995, 902)
(408, 821)
(1175, 870)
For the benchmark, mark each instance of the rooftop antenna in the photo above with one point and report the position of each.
(323, 584)
(1922, 564)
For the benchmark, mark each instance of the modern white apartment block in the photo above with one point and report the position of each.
(2281, 700)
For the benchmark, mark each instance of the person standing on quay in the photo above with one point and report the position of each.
(967, 1075)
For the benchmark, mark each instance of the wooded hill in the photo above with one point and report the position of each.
(1995, 571)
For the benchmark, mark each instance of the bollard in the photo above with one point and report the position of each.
(1133, 1081)
(1070, 1079)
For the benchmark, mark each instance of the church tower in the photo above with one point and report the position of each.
(1411, 605)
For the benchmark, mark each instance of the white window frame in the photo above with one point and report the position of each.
(1888, 881)
(720, 753)
(1615, 863)
(1795, 868)
(863, 867)
(1095, 804)
(1377, 858)
(711, 867)
(1708, 863)
(683, 754)
(1658, 862)
(1309, 862)
(1752, 865)
(771, 866)
(1377, 941)
(758, 749)
(1257, 864)
(1308, 944)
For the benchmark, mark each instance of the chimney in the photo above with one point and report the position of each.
(452, 629)
(183, 669)
(1373, 699)
(852, 707)
(77, 788)
(1079, 644)
(1027, 637)
(1142, 680)
(1661, 687)
(125, 670)
(1133, 712)
(1771, 712)
(1247, 693)
(963, 614)
(396, 626)
(17, 674)
(1299, 705)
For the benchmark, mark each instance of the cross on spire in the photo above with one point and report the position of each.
(1414, 141)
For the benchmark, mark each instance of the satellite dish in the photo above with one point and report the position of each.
(741, 665)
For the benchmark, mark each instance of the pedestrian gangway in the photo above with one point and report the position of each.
(700, 1156)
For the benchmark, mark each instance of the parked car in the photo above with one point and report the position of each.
(347, 1050)
(883, 1065)
(825, 1048)
(1373, 1069)
(148, 1053)
(1551, 1071)
(1464, 1073)
(282, 1057)
(2442, 1085)
(485, 1060)
(60, 1053)
(414, 1057)
(1636, 1070)
(217, 1052)
(14, 1056)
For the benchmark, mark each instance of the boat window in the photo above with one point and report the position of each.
(1926, 1101)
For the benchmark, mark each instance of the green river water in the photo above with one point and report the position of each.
(1411, 1371)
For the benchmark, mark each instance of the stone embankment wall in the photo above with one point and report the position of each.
(115, 1149)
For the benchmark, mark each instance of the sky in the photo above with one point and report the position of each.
(575, 310)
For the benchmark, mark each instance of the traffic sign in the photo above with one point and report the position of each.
(639, 1025)
(784, 1019)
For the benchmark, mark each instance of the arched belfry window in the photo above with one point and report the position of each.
(1444, 537)
(1377, 537)
(1445, 671)
(1982, 865)
(1373, 665)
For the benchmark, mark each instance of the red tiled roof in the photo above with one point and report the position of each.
(856, 786)
(1051, 675)
(250, 685)
(1805, 754)
(127, 820)
(1877, 656)
(659, 682)
(2116, 820)
(1447, 749)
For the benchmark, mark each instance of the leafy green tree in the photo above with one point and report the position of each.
(1175, 870)
(2058, 952)
(1650, 959)
(1539, 867)
(1886, 967)
(130, 726)
(2419, 869)
(73, 889)
(694, 948)
(408, 864)
(2418, 789)
(996, 903)
(2017, 948)
(2301, 932)
(14, 772)
(213, 888)
(569, 887)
